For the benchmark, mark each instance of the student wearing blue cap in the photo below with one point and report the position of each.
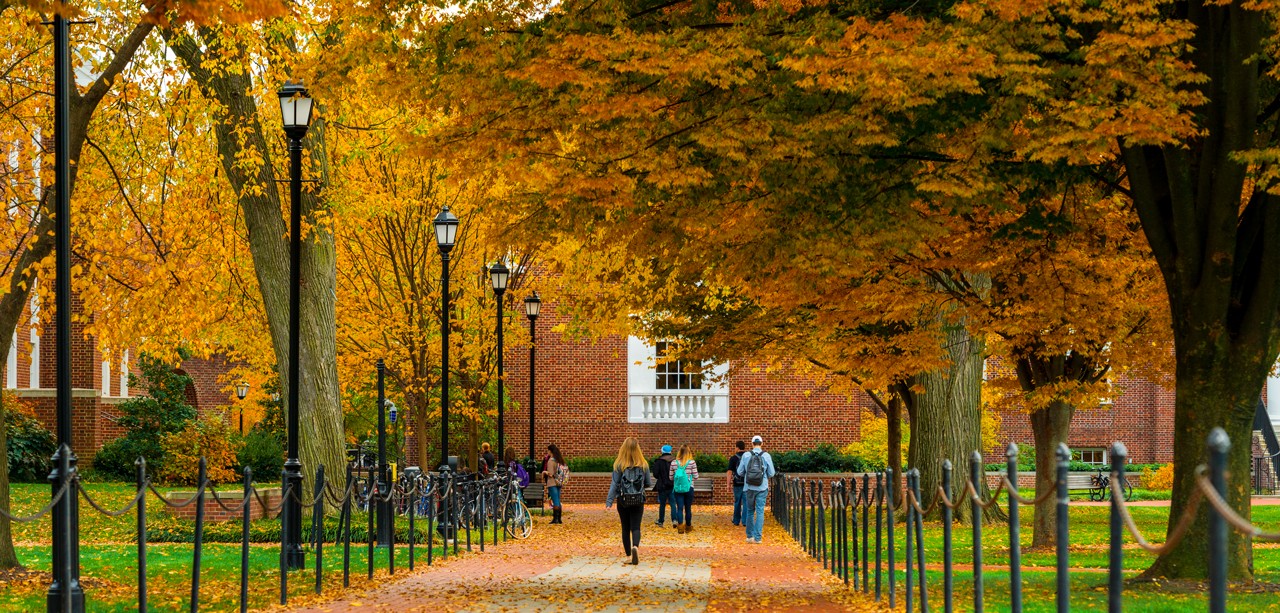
(663, 484)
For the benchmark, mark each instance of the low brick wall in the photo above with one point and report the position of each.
(214, 512)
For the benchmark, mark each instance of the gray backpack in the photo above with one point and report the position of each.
(755, 469)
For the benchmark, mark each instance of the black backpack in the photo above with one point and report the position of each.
(631, 487)
(755, 469)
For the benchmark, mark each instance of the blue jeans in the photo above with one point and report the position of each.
(553, 493)
(682, 508)
(664, 500)
(737, 505)
(754, 506)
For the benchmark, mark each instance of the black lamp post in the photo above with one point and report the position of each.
(446, 224)
(295, 112)
(499, 275)
(65, 592)
(242, 390)
(385, 517)
(532, 305)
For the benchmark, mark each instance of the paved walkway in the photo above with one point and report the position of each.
(578, 566)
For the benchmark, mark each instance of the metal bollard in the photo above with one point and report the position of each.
(890, 483)
(1119, 456)
(201, 477)
(924, 594)
(947, 578)
(141, 463)
(879, 514)
(1064, 501)
(1015, 543)
(1219, 444)
(244, 542)
(317, 526)
(976, 478)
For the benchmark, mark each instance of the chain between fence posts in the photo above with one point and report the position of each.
(245, 513)
(1015, 542)
(1119, 456)
(947, 579)
(141, 464)
(344, 524)
(879, 521)
(924, 594)
(1218, 444)
(1064, 501)
(201, 477)
(891, 482)
(976, 478)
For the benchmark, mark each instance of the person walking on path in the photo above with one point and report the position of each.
(735, 482)
(662, 486)
(683, 472)
(756, 469)
(555, 473)
(630, 480)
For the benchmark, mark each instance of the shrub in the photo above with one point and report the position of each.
(210, 438)
(30, 445)
(590, 465)
(261, 451)
(146, 420)
(1160, 479)
(874, 446)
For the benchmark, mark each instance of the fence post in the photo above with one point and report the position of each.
(1119, 456)
(317, 525)
(907, 492)
(284, 530)
(891, 481)
(201, 477)
(1219, 444)
(879, 530)
(141, 463)
(413, 537)
(947, 512)
(977, 477)
(1064, 501)
(1015, 541)
(433, 491)
(866, 509)
(245, 516)
(924, 594)
(820, 528)
(372, 508)
(344, 524)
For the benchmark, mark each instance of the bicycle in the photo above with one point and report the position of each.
(1101, 489)
(518, 520)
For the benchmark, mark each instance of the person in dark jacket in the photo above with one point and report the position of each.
(490, 460)
(735, 482)
(630, 479)
(661, 476)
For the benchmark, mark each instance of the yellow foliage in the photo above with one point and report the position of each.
(1160, 479)
(874, 446)
(210, 438)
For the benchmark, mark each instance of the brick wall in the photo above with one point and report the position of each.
(214, 512)
(582, 395)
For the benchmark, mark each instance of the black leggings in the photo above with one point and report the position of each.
(630, 518)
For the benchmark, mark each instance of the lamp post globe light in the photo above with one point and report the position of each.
(242, 390)
(499, 275)
(446, 224)
(295, 114)
(532, 305)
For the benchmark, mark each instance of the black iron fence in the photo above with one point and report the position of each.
(454, 506)
(837, 521)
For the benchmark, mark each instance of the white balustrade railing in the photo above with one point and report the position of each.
(679, 407)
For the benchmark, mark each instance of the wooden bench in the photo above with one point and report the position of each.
(535, 496)
(701, 485)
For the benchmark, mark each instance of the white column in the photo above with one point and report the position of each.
(124, 374)
(106, 378)
(34, 382)
(11, 367)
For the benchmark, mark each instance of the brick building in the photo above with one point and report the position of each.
(98, 384)
(592, 394)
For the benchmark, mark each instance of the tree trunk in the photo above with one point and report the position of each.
(1050, 427)
(1211, 392)
(894, 414)
(947, 421)
(239, 133)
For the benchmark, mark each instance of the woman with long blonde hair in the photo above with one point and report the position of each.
(630, 480)
(684, 470)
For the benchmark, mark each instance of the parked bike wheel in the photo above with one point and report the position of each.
(519, 521)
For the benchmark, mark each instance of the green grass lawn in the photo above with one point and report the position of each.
(1090, 534)
(108, 556)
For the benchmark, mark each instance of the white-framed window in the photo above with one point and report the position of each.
(673, 391)
(1096, 456)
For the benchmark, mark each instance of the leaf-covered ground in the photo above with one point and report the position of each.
(578, 566)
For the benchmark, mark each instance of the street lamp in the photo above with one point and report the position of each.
(499, 275)
(532, 305)
(446, 224)
(385, 518)
(242, 390)
(295, 114)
